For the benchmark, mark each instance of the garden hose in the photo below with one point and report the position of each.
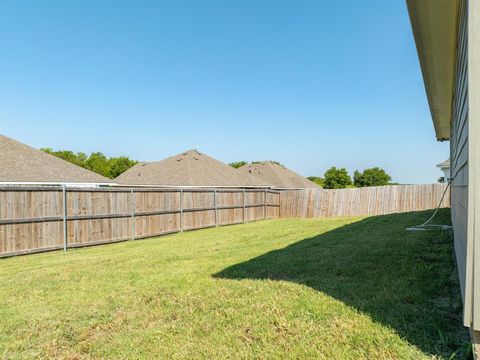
(425, 226)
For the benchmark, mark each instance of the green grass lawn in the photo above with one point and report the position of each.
(346, 288)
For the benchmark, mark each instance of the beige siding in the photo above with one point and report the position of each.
(465, 158)
(459, 151)
(473, 248)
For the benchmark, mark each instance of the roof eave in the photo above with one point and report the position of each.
(434, 24)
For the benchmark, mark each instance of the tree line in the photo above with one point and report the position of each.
(334, 178)
(110, 167)
(339, 178)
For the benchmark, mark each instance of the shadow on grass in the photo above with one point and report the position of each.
(404, 280)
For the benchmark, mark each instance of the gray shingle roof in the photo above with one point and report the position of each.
(190, 168)
(276, 175)
(21, 163)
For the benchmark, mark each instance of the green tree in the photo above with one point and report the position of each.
(77, 159)
(119, 165)
(238, 164)
(97, 162)
(337, 178)
(272, 161)
(317, 180)
(371, 177)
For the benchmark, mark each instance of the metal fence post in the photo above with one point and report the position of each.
(181, 210)
(132, 200)
(65, 235)
(215, 206)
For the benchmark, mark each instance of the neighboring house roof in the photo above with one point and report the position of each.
(434, 24)
(20, 163)
(444, 164)
(276, 175)
(190, 168)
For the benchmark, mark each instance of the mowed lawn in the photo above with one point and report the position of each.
(332, 288)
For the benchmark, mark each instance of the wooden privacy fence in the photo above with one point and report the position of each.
(315, 203)
(34, 219)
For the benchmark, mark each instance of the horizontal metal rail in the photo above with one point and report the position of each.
(32, 188)
(123, 215)
(31, 220)
(58, 188)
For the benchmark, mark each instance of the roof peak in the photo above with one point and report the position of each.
(276, 175)
(188, 168)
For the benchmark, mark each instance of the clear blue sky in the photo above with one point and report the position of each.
(311, 84)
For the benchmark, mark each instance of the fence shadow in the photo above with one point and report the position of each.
(404, 280)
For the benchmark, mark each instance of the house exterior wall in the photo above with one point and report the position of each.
(465, 163)
(459, 149)
(447, 35)
(446, 174)
(473, 260)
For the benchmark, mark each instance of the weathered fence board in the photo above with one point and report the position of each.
(32, 218)
(315, 203)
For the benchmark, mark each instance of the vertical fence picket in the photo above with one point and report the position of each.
(244, 208)
(181, 210)
(264, 204)
(215, 206)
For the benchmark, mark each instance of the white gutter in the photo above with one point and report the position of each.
(46, 183)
